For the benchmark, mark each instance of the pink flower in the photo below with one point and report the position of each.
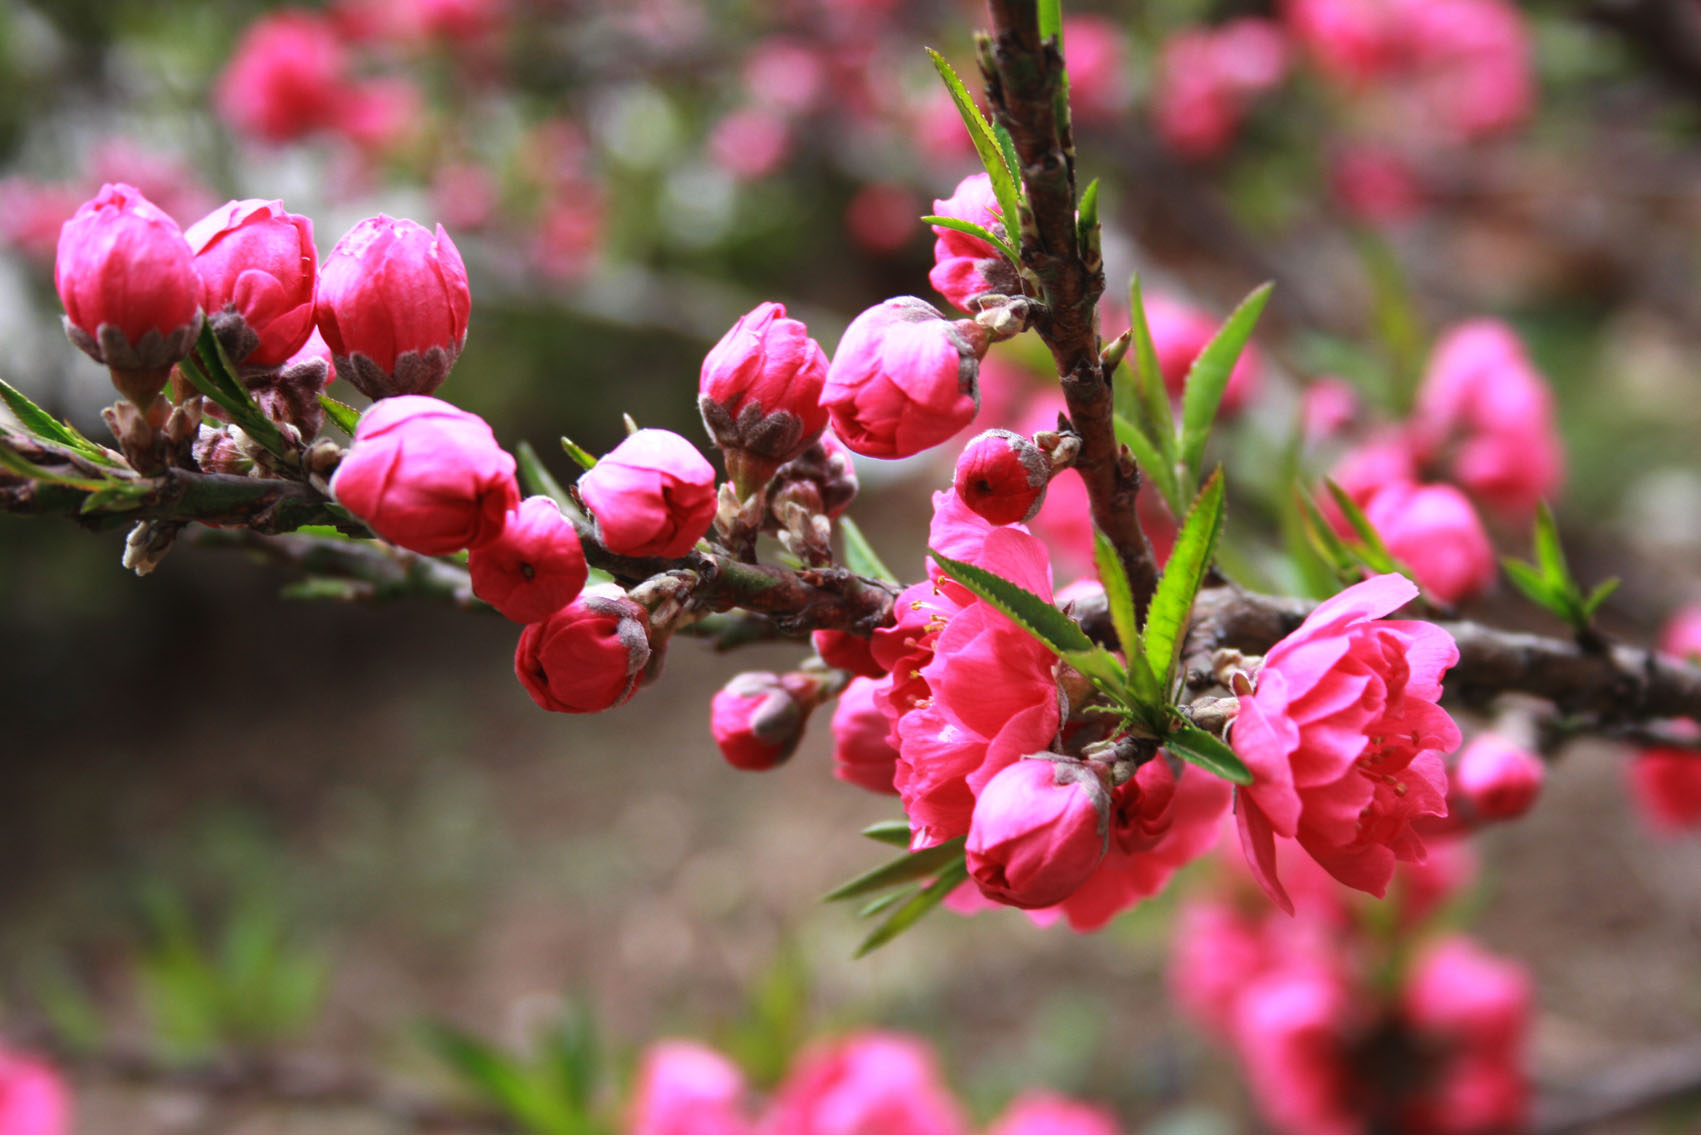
(1042, 1113)
(1328, 406)
(1344, 738)
(1378, 186)
(393, 305)
(1351, 41)
(588, 656)
(1039, 829)
(534, 568)
(881, 217)
(1472, 1011)
(1486, 414)
(1002, 476)
(653, 495)
(903, 379)
(286, 77)
(1682, 635)
(1470, 61)
(127, 279)
(1207, 80)
(786, 73)
(1500, 779)
(1158, 824)
(1291, 1030)
(760, 394)
(1216, 950)
(258, 268)
(427, 476)
(869, 1083)
(1666, 786)
(380, 115)
(1097, 56)
(1433, 530)
(750, 143)
(1386, 457)
(966, 267)
(33, 1098)
(1179, 333)
(847, 651)
(758, 717)
(685, 1088)
(862, 753)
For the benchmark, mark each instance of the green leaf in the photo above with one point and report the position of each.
(1209, 377)
(860, 556)
(894, 832)
(1118, 593)
(905, 869)
(115, 496)
(1194, 745)
(1027, 610)
(908, 913)
(1087, 213)
(1150, 461)
(584, 457)
(1599, 595)
(1188, 562)
(1372, 552)
(1550, 556)
(484, 1067)
(1007, 147)
(1004, 176)
(979, 232)
(24, 467)
(342, 415)
(1103, 667)
(44, 426)
(1324, 540)
(886, 902)
(1051, 21)
(209, 369)
(537, 478)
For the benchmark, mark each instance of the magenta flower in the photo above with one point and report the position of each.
(393, 306)
(258, 269)
(652, 495)
(33, 1097)
(758, 717)
(1002, 476)
(865, 1083)
(427, 476)
(1472, 1012)
(1039, 829)
(588, 656)
(1043, 1113)
(685, 1088)
(966, 267)
(534, 568)
(1292, 1030)
(1433, 530)
(863, 754)
(1500, 779)
(286, 78)
(1344, 739)
(903, 379)
(760, 393)
(847, 651)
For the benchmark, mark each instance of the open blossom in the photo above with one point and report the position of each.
(127, 279)
(1039, 828)
(427, 476)
(760, 393)
(757, 718)
(1433, 530)
(903, 379)
(33, 1098)
(966, 267)
(862, 751)
(869, 1083)
(652, 495)
(588, 656)
(1472, 1011)
(1344, 739)
(393, 306)
(534, 568)
(685, 1088)
(258, 269)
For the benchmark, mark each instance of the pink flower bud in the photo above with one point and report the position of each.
(285, 78)
(393, 306)
(847, 651)
(33, 1099)
(1041, 1113)
(862, 749)
(427, 476)
(1040, 827)
(1002, 477)
(1666, 786)
(258, 268)
(1433, 530)
(966, 267)
(760, 394)
(534, 568)
(685, 1088)
(758, 717)
(588, 656)
(1499, 778)
(653, 495)
(127, 279)
(903, 379)
(865, 1083)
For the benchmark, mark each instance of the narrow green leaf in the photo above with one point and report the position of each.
(1209, 377)
(1087, 213)
(115, 496)
(1194, 745)
(905, 869)
(1599, 595)
(1027, 610)
(1537, 588)
(484, 1067)
(1004, 178)
(45, 426)
(585, 458)
(894, 832)
(1550, 556)
(1166, 622)
(1007, 147)
(979, 232)
(1374, 553)
(1150, 461)
(909, 913)
(860, 556)
(1118, 593)
(1152, 397)
(887, 901)
(1051, 21)
(537, 478)
(210, 371)
(1322, 536)
(24, 467)
(342, 415)
(1103, 667)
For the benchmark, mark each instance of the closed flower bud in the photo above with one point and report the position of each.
(534, 568)
(1040, 827)
(685, 1088)
(258, 268)
(393, 306)
(1433, 530)
(862, 738)
(847, 651)
(903, 378)
(132, 298)
(1499, 778)
(1002, 477)
(589, 656)
(760, 394)
(966, 267)
(828, 469)
(427, 476)
(758, 717)
(33, 1097)
(653, 495)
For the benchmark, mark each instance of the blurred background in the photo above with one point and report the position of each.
(237, 823)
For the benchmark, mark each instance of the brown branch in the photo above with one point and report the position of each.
(1023, 76)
